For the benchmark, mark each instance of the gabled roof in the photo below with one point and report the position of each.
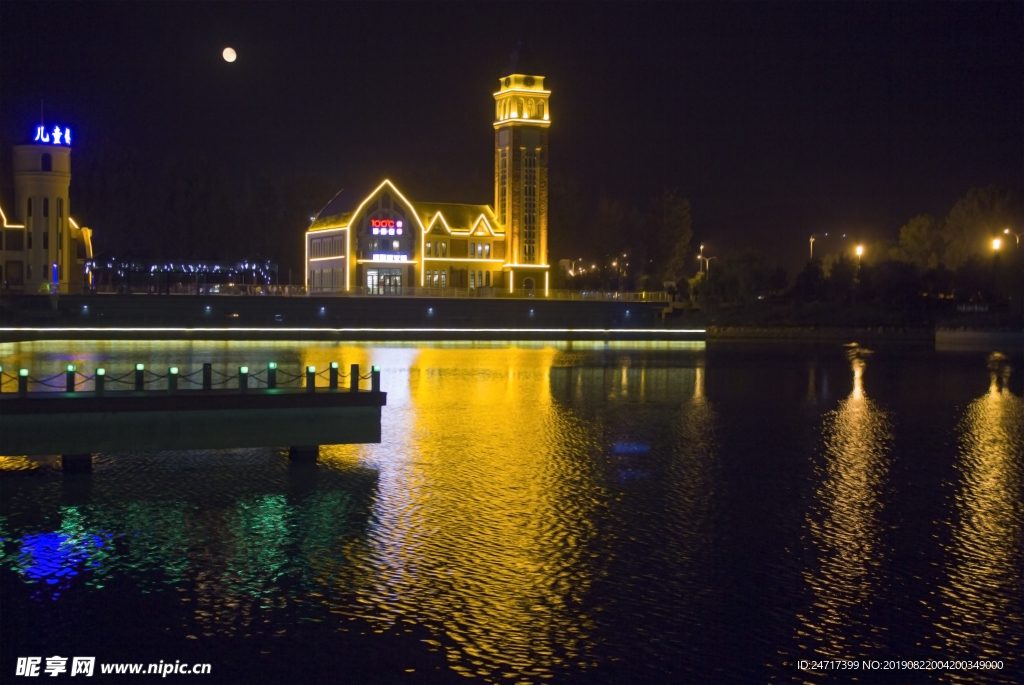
(460, 218)
(456, 217)
(339, 211)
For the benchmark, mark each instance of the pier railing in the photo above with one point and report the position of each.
(72, 380)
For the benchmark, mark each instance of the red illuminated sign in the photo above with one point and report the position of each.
(382, 223)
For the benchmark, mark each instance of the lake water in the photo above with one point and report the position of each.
(582, 513)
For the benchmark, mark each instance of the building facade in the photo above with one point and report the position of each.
(378, 242)
(42, 249)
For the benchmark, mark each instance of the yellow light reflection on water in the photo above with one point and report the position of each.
(981, 595)
(845, 526)
(472, 531)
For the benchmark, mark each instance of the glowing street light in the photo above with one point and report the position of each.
(1014, 234)
(996, 243)
(860, 253)
(812, 247)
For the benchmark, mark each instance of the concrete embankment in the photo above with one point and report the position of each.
(812, 334)
(184, 317)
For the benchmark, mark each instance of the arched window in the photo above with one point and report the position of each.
(540, 109)
(530, 109)
(528, 284)
(487, 279)
(47, 162)
(472, 279)
(519, 108)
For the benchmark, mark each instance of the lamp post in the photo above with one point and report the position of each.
(812, 246)
(1014, 234)
(860, 253)
(996, 244)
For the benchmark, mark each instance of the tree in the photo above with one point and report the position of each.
(671, 231)
(920, 242)
(841, 279)
(976, 218)
(810, 283)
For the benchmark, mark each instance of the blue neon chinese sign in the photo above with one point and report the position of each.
(55, 136)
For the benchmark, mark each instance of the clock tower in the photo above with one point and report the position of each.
(521, 122)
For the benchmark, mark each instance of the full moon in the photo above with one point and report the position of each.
(229, 54)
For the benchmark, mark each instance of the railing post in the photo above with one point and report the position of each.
(353, 385)
(22, 382)
(310, 379)
(207, 376)
(69, 384)
(101, 377)
(375, 379)
(272, 375)
(140, 376)
(332, 382)
(243, 378)
(172, 379)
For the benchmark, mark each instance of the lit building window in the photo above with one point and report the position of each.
(487, 278)
(444, 249)
(487, 251)
(444, 275)
(428, 248)
(472, 249)
(472, 280)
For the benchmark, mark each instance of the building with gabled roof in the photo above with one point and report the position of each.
(379, 242)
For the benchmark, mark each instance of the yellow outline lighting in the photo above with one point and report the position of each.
(505, 122)
(522, 90)
(324, 259)
(433, 220)
(546, 274)
(486, 223)
(459, 259)
(385, 263)
(529, 266)
(327, 230)
(7, 225)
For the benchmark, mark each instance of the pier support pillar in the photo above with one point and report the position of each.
(304, 452)
(76, 463)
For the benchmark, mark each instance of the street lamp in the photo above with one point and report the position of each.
(860, 253)
(996, 243)
(1014, 234)
(812, 247)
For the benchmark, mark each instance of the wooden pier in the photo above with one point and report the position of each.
(76, 424)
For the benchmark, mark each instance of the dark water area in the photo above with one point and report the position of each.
(581, 513)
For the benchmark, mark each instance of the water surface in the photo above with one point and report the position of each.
(564, 512)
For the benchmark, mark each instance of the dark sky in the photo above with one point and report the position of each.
(777, 120)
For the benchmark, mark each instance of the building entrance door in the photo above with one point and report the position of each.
(383, 281)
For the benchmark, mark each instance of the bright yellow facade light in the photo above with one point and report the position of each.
(860, 250)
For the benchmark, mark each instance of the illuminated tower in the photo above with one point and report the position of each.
(42, 176)
(521, 122)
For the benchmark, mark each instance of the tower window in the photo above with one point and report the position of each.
(46, 206)
(47, 162)
(530, 207)
(502, 184)
(46, 240)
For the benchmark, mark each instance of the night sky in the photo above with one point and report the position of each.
(777, 120)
